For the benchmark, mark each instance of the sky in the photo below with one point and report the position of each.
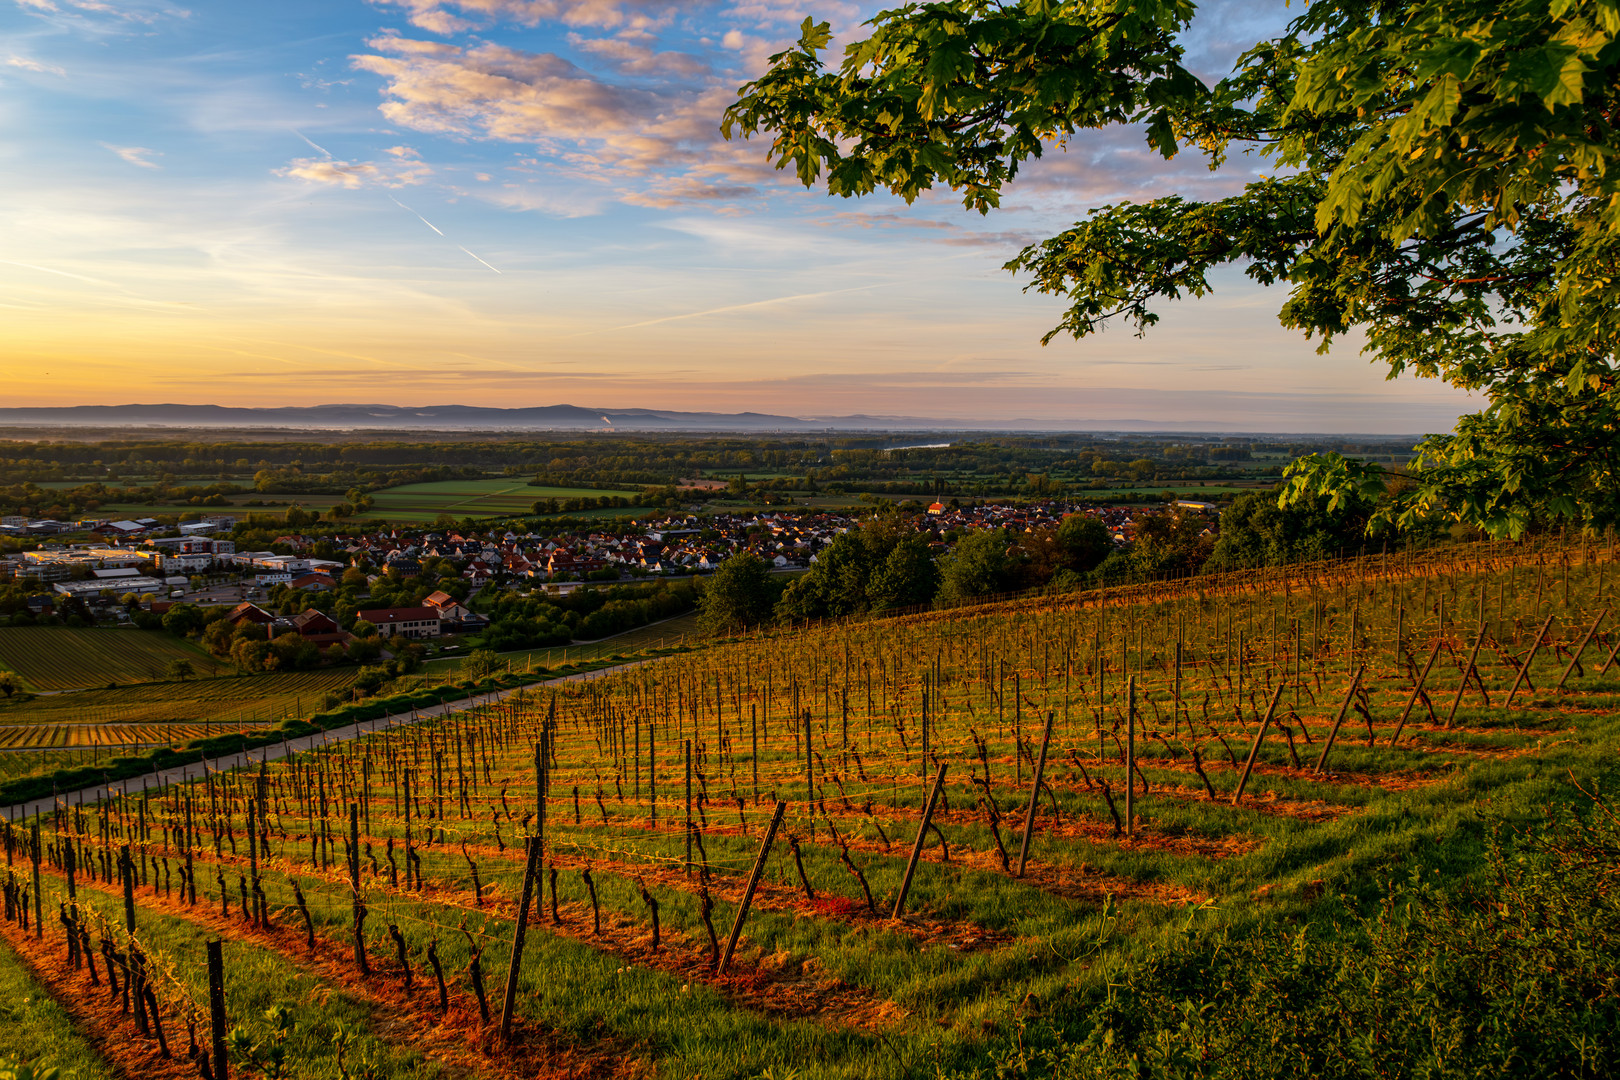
(528, 202)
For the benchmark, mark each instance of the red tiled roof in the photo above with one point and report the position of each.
(389, 616)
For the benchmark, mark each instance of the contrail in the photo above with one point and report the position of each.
(734, 307)
(438, 230)
(311, 142)
(428, 223)
(60, 273)
(476, 257)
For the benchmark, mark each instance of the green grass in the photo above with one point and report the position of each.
(64, 658)
(35, 1030)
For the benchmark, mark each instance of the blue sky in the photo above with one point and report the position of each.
(523, 202)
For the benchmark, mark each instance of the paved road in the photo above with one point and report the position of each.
(276, 751)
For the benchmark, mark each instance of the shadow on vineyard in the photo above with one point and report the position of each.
(1302, 821)
(1512, 973)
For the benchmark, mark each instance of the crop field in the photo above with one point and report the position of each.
(63, 658)
(228, 701)
(913, 831)
(472, 498)
(66, 736)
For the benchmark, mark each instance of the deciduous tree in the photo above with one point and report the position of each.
(1443, 181)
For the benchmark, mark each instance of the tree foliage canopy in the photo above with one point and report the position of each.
(1444, 181)
(739, 595)
(873, 568)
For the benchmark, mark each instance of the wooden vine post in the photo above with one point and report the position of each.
(1417, 691)
(216, 1009)
(916, 848)
(753, 883)
(1581, 648)
(1130, 757)
(1468, 671)
(509, 999)
(1344, 709)
(1524, 669)
(542, 752)
(34, 854)
(1254, 748)
(354, 885)
(1035, 795)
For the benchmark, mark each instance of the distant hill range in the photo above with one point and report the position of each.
(444, 418)
(470, 418)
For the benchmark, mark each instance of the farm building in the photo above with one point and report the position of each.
(419, 622)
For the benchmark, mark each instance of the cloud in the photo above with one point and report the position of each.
(437, 15)
(334, 173)
(632, 59)
(653, 146)
(28, 64)
(140, 11)
(331, 173)
(135, 155)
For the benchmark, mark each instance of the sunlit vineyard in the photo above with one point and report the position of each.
(58, 736)
(62, 658)
(978, 810)
(229, 701)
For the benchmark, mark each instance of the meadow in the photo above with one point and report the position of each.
(64, 658)
(940, 826)
(473, 498)
(408, 503)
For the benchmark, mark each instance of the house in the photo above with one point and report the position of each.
(419, 622)
(320, 629)
(402, 566)
(455, 617)
(311, 622)
(313, 583)
(247, 611)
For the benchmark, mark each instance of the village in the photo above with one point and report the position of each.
(113, 570)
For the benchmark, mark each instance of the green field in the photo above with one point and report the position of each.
(472, 498)
(411, 503)
(226, 700)
(64, 658)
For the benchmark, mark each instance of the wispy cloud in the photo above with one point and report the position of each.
(130, 11)
(330, 172)
(135, 155)
(728, 308)
(454, 16)
(30, 64)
